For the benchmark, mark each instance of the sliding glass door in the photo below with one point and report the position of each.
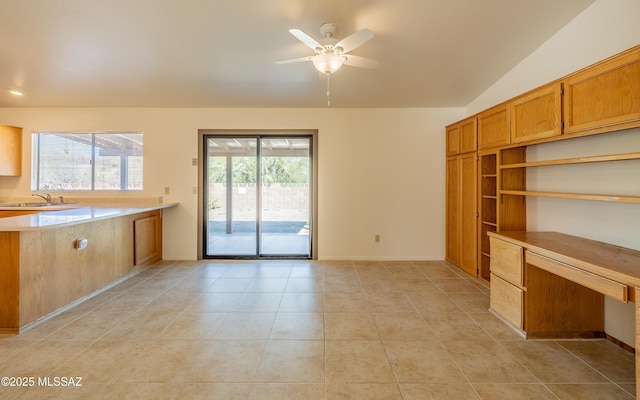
(258, 198)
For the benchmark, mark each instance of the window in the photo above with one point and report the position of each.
(87, 161)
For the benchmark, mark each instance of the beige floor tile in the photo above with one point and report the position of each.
(213, 391)
(225, 361)
(495, 327)
(305, 285)
(302, 302)
(305, 330)
(194, 326)
(363, 391)
(340, 285)
(591, 391)
(357, 362)
(258, 302)
(142, 325)
(279, 391)
(213, 302)
(230, 285)
(488, 362)
(455, 326)
(304, 326)
(103, 361)
(345, 302)
(402, 326)
(160, 360)
(610, 360)
(350, 326)
(433, 302)
(246, 326)
(422, 362)
(267, 285)
(513, 391)
(552, 363)
(438, 391)
(292, 361)
(389, 302)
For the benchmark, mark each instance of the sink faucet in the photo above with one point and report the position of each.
(46, 197)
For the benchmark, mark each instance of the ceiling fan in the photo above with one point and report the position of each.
(331, 54)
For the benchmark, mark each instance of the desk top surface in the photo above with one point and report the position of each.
(619, 263)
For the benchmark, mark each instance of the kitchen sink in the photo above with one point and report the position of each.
(32, 204)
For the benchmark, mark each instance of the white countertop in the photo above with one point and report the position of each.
(70, 214)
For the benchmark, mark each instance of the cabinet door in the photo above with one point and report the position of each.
(148, 240)
(493, 127)
(536, 115)
(468, 213)
(468, 135)
(453, 139)
(453, 211)
(10, 151)
(604, 97)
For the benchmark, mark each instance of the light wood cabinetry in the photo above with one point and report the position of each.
(563, 279)
(453, 139)
(461, 213)
(462, 137)
(598, 99)
(536, 115)
(42, 271)
(147, 239)
(605, 96)
(493, 127)
(15, 213)
(468, 214)
(453, 218)
(10, 150)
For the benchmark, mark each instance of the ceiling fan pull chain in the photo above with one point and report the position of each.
(328, 90)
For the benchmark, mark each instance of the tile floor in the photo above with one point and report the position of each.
(303, 330)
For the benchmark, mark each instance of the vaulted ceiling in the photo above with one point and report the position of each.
(214, 53)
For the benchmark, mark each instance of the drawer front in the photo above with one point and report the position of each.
(507, 301)
(507, 261)
(608, 287)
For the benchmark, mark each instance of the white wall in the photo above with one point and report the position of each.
(381, 171)
(606, 28)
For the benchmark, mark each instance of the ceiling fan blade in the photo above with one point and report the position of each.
(360, 62)
(355, 40)
(295, 60)
(306, 39)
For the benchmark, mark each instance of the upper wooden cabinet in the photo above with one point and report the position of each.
(493, 127)
(468, 135)
(536, 115)
(10, 151)
(605, 96)
(462, 136)
(453, 139)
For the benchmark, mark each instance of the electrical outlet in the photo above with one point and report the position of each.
(194, 190)
(377, 238)
(194, 162)
(167, 190)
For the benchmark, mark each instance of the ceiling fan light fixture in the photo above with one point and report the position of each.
(328, 63)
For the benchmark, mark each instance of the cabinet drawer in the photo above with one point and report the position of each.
(507, 301)
(608, 287)
(507, 261)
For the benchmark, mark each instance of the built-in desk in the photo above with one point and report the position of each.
(552, 285)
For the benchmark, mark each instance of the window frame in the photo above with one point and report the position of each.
(36, 161)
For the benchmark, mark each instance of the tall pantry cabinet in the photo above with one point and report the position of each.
(461, 188)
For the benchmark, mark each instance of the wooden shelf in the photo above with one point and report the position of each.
(490, 223)
(576, 160)
(578, 196)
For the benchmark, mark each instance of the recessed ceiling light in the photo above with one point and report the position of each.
(16, 92)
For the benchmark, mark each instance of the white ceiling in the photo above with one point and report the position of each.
(222, 53)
